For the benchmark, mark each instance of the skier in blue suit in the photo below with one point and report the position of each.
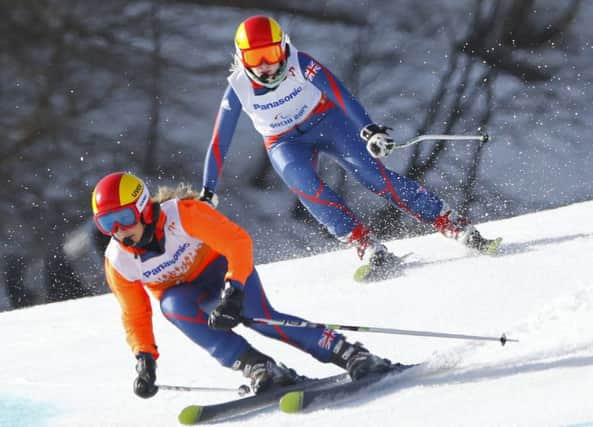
(302, 109)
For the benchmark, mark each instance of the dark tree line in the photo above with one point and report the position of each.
(91, 87)
(499, 30)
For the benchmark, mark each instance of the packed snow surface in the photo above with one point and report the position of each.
(67, 364)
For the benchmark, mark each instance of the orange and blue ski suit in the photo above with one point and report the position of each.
(200, 249)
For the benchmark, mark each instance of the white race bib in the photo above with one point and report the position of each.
(281, 109)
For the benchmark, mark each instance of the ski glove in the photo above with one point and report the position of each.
(208, 196)
(144, 386)
(379, 143)
(227, 314)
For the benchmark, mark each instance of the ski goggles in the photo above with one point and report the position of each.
(271, 54)
(122, 218)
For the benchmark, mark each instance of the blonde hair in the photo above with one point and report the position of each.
(182, 192)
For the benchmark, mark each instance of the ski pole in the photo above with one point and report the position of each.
(305, 324)
(420, 138)
(242, 390)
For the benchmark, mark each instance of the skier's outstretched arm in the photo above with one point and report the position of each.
(229, 240)
(222, 135)
(136, 311)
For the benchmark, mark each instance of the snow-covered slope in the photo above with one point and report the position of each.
(67, 364)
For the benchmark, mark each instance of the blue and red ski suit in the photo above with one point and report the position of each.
(309, 113)
(200, 249)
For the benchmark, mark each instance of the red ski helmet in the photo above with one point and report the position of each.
(120, 200)
(258, 39)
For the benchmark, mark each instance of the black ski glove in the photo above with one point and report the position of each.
(208, 196)
(227, 314)
(144, 384)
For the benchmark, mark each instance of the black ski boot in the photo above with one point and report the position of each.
(484, 246)
(383, 264)
(379, 263)
(453, 225)
(357, 360)
(264, 372)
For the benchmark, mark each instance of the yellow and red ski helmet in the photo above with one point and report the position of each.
(118, 191)
(260, 38)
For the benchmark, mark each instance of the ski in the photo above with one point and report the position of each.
(492, 246)
(369, 273)
(198, 414)
(300, 400)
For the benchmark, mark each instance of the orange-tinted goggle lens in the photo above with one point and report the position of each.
(271, 54)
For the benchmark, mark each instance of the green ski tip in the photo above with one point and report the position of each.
(362, 272)
(492, 248)
(190, 415)
(291, 402)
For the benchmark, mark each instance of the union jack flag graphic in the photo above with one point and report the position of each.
(326, 339)
(312, 70)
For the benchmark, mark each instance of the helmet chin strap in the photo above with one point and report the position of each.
(147, 235)
(146, 238)
(128, 241)
(269, 81)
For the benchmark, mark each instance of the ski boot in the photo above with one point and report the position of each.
(457, 227)
(379, 263)
(357, 360)
(264, 372)
(484, 246)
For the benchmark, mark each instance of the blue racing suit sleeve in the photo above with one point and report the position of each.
(222, 135)
(324, 80)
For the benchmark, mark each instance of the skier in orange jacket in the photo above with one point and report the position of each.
(199, 265)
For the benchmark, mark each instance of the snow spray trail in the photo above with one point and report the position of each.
(557, 336)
